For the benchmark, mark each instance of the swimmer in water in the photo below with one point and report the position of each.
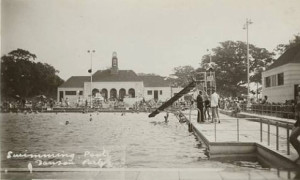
(166, 117)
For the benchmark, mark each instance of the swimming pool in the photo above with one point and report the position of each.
(110, 140)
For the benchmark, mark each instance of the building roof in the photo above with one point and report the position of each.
(75, 82)
(122, 76)
(292, 55)
(154, 81)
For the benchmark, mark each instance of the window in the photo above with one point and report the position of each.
(160, 92)
(149, 92)
(267, 81)
(80, 92)
(280, 79)
(70, 93)
(273, 80)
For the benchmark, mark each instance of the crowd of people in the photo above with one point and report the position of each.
(49, 104)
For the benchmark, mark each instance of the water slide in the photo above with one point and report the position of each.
(184, 91)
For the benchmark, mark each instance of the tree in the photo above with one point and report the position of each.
(281, 48)
(22, 76)
(231, 65)
(184, 74)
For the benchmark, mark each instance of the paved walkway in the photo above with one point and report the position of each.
(233, 129)
(161, 174)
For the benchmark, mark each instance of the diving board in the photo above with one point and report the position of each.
(186, 90)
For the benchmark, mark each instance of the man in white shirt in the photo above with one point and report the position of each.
(214, 103)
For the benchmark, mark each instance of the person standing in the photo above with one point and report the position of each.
(296, 130)
(200, 107)
(214, 103)
(206, 107)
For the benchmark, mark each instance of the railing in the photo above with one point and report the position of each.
(284, 111)
(269, 132)
(282, 131)
(273, 133)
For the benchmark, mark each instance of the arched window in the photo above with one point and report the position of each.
(131, 92)
(104, 93)
(122, 93)
(113, 93)
(95, 91)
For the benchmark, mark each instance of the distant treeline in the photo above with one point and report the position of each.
(23, 77)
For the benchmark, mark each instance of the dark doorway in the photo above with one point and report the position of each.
(155, 94)
(131, 92)
(95, 91)
(61, 96)
(104, 93)
(113, 93)
(122, 93)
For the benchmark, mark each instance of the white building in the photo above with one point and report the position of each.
(115, 83)
(281, 80)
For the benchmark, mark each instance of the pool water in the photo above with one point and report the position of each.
(110, 140)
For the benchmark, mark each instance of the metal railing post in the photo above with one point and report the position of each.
(238, 130)
(215, 131)
(190, 120)
(261, 135)
(277, 137)
(268, 132)
(288, 139)
(190, 115)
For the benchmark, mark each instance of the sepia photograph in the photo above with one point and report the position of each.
(150, 89)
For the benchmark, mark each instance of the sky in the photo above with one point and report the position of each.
(149, 36)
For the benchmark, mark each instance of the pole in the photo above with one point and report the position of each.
(257, 92)
(91, 80)
(238, 129)
(277, 137)
(268, 132)
(215, 131)
(288, 139)
(261, 135)
(248, 21)
(247, 26)
(91, 89)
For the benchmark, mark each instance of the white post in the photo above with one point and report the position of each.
(248, 21)
(91, 89)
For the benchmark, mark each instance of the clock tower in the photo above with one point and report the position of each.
(114, 63)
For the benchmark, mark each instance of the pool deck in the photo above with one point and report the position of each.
(239, 136)
(159, 174)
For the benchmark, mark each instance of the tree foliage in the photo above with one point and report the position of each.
(281, 48)
(184, 74)
(231, 65)
(22, 76)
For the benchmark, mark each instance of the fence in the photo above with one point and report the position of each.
(284, 111)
